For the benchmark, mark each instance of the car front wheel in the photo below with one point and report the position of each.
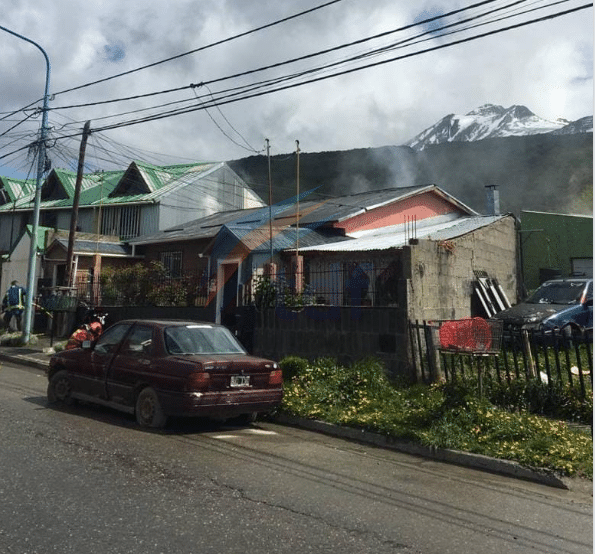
(148, 409)
(60, 388)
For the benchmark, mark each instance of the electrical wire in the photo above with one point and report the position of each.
(275, 85)
(286, 62)
(202, 48)
(231, 99)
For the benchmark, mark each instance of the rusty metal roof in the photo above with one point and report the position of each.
(397, 236)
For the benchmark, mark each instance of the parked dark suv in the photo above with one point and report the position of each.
(560, 304)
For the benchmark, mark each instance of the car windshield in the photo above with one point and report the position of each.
(569, 292)
(201, 339)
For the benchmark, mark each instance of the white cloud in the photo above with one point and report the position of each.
(547, 67)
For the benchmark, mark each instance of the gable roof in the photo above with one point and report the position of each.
(140, 183)
(142, 178)
(13, 189)
(313, 213)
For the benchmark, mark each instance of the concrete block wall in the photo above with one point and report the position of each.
(442, 272)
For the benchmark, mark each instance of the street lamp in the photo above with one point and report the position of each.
(40, 168)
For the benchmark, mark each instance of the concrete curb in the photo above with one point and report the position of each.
(475, 461)
(23, 359)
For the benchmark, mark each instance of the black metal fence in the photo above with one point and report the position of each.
(331, 284)
(191, 290)
(552, 357)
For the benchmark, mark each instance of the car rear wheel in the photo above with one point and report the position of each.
(148, 409)
(60, 388)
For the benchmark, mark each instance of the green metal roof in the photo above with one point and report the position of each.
(140, 183)
(151, 178)
(17, 188)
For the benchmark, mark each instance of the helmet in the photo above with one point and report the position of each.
(95, 328)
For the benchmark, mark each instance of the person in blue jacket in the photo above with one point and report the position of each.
(13, 304)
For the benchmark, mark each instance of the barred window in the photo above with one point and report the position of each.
(172, 262)
(122, 221)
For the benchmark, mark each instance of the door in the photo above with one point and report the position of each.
(94, 373)
(227, 293)
(131, 365)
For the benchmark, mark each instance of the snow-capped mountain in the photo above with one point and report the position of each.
(490, 121)
(582, 125)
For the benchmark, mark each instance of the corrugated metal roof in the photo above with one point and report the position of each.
(313, 212)
(96, 188)
(398, 236)
(344, 207)
(258, 240)
(97, 247)
(93, 187)
(204, 227)
(18, 188)
(155, 178)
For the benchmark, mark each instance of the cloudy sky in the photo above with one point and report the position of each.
(546, 66)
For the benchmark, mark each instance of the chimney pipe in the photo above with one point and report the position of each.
(493, 200)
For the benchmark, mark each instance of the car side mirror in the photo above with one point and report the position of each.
(87, 345)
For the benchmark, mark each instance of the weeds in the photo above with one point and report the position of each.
(448, 415)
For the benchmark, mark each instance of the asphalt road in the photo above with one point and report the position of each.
(87, 479)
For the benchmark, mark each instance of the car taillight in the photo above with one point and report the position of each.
(198, 381)
(276, 377)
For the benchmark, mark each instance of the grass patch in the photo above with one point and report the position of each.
(440, 415)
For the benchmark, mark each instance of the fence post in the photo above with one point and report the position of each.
(528, 353)
(432, 355)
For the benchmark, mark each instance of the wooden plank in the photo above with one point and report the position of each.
(482, 298)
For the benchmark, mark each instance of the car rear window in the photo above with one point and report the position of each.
(201, 339)
(569, 292)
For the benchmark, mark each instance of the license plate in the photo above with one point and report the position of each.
(240, 381)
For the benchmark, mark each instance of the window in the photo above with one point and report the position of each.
(107, 343)
(122, 221)
(140, 341)
(172, 261)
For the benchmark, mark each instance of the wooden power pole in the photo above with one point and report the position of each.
(75, 205)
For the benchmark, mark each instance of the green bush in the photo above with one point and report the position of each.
(292, 366)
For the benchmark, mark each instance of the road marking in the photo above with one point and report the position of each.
(260, 432)
(245, 432)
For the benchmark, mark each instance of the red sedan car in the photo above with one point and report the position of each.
(155, 369)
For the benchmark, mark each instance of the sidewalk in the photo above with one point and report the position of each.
(37, 354)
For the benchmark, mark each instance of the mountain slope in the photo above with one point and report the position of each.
(488, 121)
(582, 125)
(544, 172)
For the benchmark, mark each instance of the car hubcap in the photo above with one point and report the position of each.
(62, 389)
(147, 409)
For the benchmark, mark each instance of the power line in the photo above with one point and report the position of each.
(275, 81)
(286, 62)
(200, 49)
(257, 89)
(224, 101)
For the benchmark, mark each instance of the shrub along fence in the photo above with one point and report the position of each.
(553, 359)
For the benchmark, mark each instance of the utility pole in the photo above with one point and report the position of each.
(299, 266)
(27, 323)
(75, 205)
(270, 201)
(297, 217)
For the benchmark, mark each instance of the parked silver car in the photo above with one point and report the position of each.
(560, 304)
